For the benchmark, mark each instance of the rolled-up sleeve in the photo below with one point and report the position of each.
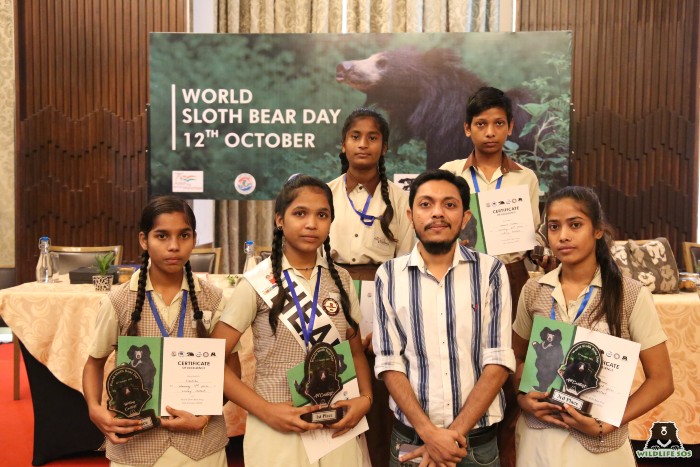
(497, 339)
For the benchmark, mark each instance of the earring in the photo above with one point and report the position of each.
(279, 227)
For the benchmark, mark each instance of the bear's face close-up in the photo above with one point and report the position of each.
(362, 75)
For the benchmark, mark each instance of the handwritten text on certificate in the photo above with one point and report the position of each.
(193, 375)
(506, 215)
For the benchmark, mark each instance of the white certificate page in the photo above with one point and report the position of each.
(193, 375)
(506, 216)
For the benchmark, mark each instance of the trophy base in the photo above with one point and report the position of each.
(148, 421)
(560, 398)
(324, 416)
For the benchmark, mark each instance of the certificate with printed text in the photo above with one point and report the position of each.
(193, 375)
(601, 374)
(506, 217)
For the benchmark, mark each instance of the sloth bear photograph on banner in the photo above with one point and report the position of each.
(233, 116)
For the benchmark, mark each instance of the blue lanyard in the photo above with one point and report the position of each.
(364, 217)
(476, 184)
(580, 309)
(181, 324)
(307, 331)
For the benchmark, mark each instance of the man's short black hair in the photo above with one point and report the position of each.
(487, 98)
(439, 174)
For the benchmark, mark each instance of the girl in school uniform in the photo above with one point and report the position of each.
(371, 225)
(263, 300)
(587, 290)
(370, 228)
(164, 299)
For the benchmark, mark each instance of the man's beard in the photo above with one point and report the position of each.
(438, 248)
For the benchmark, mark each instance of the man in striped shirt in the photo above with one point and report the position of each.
(442, 334)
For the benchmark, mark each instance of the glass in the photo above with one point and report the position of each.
(54, 257)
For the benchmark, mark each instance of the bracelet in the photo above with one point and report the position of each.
(368, 397)
(205, 425)
(600, 430)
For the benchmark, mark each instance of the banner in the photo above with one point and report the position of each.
(232, 116)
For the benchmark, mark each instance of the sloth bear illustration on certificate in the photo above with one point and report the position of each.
(425, 94)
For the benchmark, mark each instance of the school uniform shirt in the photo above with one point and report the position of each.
(513, 174)
(160, 447)
(644, 325)
(540, 443)
(275, 354)
(441, 334)
(352, 242)
(107, 324)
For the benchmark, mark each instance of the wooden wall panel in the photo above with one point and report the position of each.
(82, 90)
(635, 93)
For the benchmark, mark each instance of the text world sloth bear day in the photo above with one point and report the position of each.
(230, 116)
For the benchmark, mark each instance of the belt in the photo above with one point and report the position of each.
(476, 437)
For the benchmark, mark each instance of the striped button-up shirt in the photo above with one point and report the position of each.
(441, 334)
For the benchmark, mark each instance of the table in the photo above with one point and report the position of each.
(54, 322)
(680, 318)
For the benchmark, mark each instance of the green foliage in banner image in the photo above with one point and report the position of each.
(549, 124)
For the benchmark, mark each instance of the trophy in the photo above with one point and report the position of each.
(321, 383)
(127, 396)
(579, 373)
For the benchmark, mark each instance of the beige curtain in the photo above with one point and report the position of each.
(238, 221)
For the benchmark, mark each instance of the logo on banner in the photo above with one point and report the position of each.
(245, 184)
(188, 181)
(664, 441)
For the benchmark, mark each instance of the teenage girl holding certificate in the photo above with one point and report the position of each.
(164, 299)
(587, 290)
(283, 330)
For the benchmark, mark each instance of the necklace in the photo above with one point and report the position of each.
(303, 269)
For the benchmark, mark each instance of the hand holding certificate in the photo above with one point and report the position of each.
(588, 370)
(154, 373)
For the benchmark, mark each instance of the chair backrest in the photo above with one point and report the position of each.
(691, 256)
(74, 257)
(263, 251)
(205, 260)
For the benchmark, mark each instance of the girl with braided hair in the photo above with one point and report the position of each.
(273, 299)
(371, 225)
(160, 296)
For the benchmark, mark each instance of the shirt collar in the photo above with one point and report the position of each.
(507, 164)
(134, 282)
(351, 184)
(320, 261)
(462, 254)
(552, 278)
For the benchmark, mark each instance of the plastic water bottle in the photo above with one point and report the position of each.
(249, 251)
(44, 267)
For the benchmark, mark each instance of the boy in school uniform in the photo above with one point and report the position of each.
(489, 122)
